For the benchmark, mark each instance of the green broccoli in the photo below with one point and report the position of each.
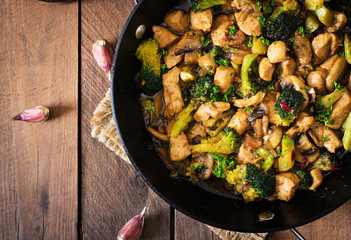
(263, 183)
(326, 162)
(226, 142)
(268, 158)
(148, 79)
(324, 105)
(217, 53)
(249, 70)
(288, 106)
(282, 26)
(198, 5)
(222, 164)
(183, 118)
(204, 89)
(148, 106)
(305, 177)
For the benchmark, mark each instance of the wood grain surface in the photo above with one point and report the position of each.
(39, 163)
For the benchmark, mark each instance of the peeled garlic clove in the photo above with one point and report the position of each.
(103, 54)
(38, 114)
(133, 228)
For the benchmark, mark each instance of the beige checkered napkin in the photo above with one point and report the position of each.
(103, 129)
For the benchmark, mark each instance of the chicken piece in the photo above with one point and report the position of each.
(178, 21)
(247, 5)
(201, 20)
(246, 102)
(248, 22)
(220, 30)
(317, 177)
(240, 121)
(266, 69)
(164, 37)
(224, 78)
(340, 111)
(188, 42)
(196, 132)
(321, 46)
(287, 67)
(180, 148)
(304, 121)
(316, 80)
(257, 126)
(207, 161)
(210, 109)
(324, 137)
(237, 55)
(286, 185)
(277, 52)
(192, 58)
(252, 142)
(307, 149)
(245, 154)
(339, 23)
(236, 39)
(302, 49)
(172, 93)
(207, 64)
(336, 43)
(269, 105)
(171, 59)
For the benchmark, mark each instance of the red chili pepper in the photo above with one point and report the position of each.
(285, 107)
(304, 162)
(227, 37)
(246, 183)
(334, 168)
(292, 155)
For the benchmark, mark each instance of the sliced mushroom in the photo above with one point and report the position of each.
(307, 149)
(158, 134)
(317, 178)
(246, 102)
(257, 113)
(257, 127)
(252, 142)
(274, 136)
(158, 104)
(196, 132)
(188, 42)
(206, 161)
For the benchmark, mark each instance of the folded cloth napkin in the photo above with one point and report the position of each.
(104, 129)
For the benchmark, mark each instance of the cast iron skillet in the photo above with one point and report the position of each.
(189, 198)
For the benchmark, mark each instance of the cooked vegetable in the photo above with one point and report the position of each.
(324, 105)
(148, 79)
(313, 4)
(222, 164)
(183, 118)
(268, 158)
(204, 89)
(288, 106)
(259, 45)
(226, 142)
(282, 26)
(311, 23)
(326, 162)
(305, 177)
(198, 5)
(263, 183)
(287, 159)
(324, 15)
(247, 87)
(347, 47)
(149, 108)
(346, 140)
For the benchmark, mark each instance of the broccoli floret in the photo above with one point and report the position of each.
(324, 105)
(204, 89)
(288, 105)
(326, 162)
(249, 70)
(197, 5)
(222, 164)
(305, 177)
(148, 79)
(226, 142)
(282, 26)
(263, 183)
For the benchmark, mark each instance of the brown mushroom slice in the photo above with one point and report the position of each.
(196, 132)
(257, 127)
(180, 148)
(317, 177)
(316, 79)
(324, 137)
(188, 42)
(171, 59)
(178, 21)
(340, 110)
(158, 134)
(286, 185)
(265, 123)
(252, 142)
(164, 37)
(158, 104)
(274, 136)
(246, 102)
(206, 161)
(307, 149)
(336, 73)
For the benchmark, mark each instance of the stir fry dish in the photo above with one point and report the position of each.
(255, 94)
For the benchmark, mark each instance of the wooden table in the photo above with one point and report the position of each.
(57, 182)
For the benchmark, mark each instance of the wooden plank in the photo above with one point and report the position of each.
(112, 192)
(38, 162)
(188, 228)
(333, 226)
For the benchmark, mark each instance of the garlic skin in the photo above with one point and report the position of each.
(103, 54)
(133, 228)
(38, 114)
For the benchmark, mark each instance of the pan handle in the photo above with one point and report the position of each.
(297, 234)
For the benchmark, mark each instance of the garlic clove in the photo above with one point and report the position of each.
(133, 228)
(103, 54)
(38, 114)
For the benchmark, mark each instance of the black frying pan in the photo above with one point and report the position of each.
(189, 198)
